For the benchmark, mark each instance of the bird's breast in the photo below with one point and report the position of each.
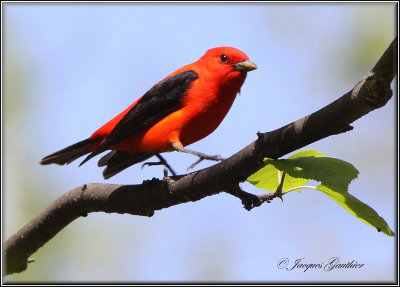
(204, 113)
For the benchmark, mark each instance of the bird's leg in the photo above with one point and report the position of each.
(179, 147)
(203, 156)
(161, 162)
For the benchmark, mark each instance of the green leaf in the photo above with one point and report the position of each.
(334, 174)
(302, 167)
(331, 172)
(267, 178)
(358, 209)
(306, 153)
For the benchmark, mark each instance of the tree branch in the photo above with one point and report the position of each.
(371, 92)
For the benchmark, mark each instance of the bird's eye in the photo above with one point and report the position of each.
(223, 58)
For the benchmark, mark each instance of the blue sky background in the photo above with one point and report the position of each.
(69, 68)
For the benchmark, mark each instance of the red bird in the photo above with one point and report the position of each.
(181, 109)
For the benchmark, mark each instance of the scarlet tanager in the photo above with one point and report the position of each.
(181, 109)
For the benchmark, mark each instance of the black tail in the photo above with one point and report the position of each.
(117, 161)
(69, 154)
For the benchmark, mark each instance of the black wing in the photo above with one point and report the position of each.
(161, 100)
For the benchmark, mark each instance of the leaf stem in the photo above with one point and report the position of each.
(279, 177)
(299, 187)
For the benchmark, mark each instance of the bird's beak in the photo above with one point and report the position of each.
(245, 66)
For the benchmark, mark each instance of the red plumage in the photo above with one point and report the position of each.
(181, 109)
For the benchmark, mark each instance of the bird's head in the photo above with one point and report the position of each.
(228, 64)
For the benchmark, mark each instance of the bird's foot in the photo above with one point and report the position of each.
(202, 157)
(161, 162)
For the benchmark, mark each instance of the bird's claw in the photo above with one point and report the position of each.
(151, 163)
(161, 162)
